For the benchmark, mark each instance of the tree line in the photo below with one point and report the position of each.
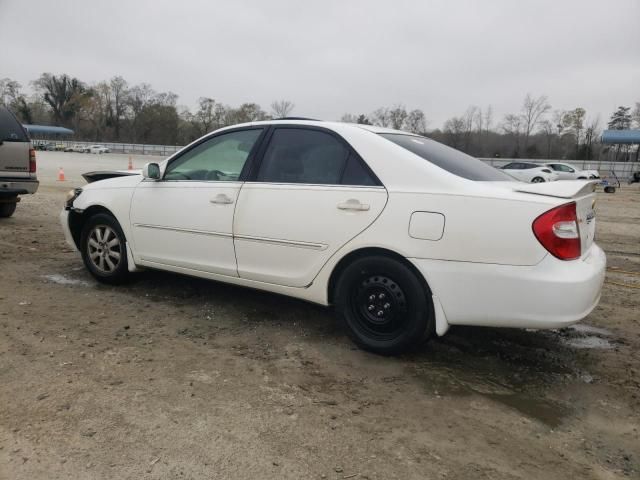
(536, 131)
(115, 111)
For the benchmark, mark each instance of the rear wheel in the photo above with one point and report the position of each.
(537, 180)
(7, 209)
(103, 248)
(383, 305)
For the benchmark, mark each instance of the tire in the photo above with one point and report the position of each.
(582, 178)
(103, 248)
(7, 209)
(537, 180)
(402, 316)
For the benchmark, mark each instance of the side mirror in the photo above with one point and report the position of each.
(151, 171)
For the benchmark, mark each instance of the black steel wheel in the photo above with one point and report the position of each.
(384, 306)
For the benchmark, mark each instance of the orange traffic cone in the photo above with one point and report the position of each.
(130, 166)
(61, 175)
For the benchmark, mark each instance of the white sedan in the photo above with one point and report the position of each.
(402, 235)
(566, 171)
(97, 149)
(530, 172)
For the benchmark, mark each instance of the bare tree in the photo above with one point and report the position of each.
(119, 92)
(454, 131)
(635, 115)
(205, 116)
(547, 128)
(281, 108)
(532, 111)
(349, 118)
(397, 116)
(591, 132)
(573, 121)
(488, 119)
(9, 91)
(416, 121)
(512, 125)
(469, 119)
(381, 117)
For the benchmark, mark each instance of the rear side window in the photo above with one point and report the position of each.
(298, 155)
(10, 128)
(447, 158)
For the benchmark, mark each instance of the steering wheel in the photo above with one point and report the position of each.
(214, 175)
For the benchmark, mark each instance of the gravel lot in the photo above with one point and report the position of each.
(175, 377)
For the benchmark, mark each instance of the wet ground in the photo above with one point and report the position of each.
(176, 377)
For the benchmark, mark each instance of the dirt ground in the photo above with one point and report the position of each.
(175, 377)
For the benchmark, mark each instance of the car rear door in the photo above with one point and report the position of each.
(14, 147)
(309, 194)
(185, 220)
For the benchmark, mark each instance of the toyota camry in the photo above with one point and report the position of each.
(402, 235)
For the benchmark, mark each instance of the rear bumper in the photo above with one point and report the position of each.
(11, 186)
(551, 294)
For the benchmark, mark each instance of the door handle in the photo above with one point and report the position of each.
(221, 199)
(353, 204)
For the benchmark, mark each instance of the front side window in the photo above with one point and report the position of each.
(447, 158)
(220, 158)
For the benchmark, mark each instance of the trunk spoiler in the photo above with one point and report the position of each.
(559, 188)
(105, 174)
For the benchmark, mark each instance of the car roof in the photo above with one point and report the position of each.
(320, 123)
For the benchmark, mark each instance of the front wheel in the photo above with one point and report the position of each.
(383, 305)
(103, 248)
(537, 180)
(7, 209)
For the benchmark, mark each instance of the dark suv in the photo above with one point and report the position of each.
(17, 163)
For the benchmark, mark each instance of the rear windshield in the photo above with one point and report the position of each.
(447, 158)
(10, 128)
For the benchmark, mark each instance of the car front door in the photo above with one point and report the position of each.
(564, 171)
(310, 194)
(185, 220)
(515, 170)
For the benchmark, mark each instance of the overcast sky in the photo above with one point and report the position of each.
(335, 56)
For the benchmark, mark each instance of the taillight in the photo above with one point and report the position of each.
(557, 230)
(32, 160)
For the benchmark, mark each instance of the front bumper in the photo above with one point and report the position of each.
(12, 187)
(64, 221)
(551, 294)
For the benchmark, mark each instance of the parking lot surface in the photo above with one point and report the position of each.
(176, 377)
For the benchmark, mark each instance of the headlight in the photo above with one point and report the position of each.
(71, 196)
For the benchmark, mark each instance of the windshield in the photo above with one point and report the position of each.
(447, 158)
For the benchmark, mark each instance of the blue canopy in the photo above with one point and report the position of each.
(621, 136)
(47, 130)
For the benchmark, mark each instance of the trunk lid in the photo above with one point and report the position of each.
(582, 192)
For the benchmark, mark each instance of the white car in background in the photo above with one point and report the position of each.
(98, 149)
(77, 148)
(402, 235)
(566, 171)
(530, 172)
